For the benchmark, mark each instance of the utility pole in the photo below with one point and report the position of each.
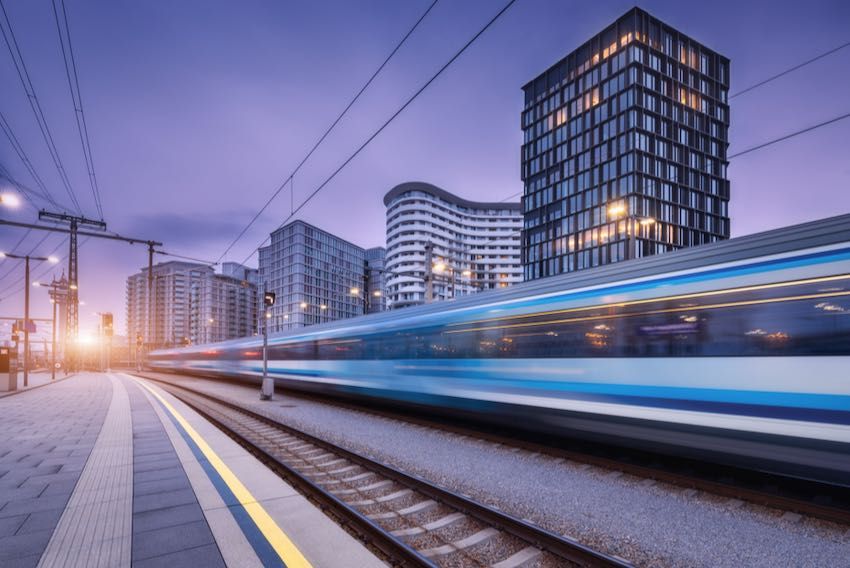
(53, 346)
(55, 290)
(26, 321)
(73, 308)
(74, 232)
(26, 259)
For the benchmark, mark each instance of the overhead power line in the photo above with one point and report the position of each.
(183, 257)
(37, 277)
(787, 136)
(790, 70)
(35, 105)
(386, 123)
(19, 150)
(76, 98)
(327, 132)
(12, 268)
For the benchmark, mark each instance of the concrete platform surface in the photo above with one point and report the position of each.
(104, 469)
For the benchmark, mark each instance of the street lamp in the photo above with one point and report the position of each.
(26, 259)
(10, 200)
(53, 287)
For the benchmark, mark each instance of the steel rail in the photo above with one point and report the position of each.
(727, 481)
(547, 541)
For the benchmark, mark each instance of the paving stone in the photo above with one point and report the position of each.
(33, 505)
(161, 485)
(10, 525)
(169, 527)
(43, 429)
(22, 561)
(207, 556)
(170, 517)
(164, 500)
(23, 544)
(41, 520)
(145, 476)
(171, 539)
(150, 465)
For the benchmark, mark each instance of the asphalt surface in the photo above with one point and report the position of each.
(648, 523)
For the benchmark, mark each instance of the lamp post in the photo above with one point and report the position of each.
(53, 287)
(364, 297)
(26, 258)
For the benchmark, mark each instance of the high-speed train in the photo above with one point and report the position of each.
(737, 352)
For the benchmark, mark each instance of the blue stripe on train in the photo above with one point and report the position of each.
(794, 406)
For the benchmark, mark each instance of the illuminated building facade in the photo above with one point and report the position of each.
(624, 149)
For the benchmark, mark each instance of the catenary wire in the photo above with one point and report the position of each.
(6, 293)
(77, 100)
(381, 128)
(789, 70)
(183, 257)
(23, 74)
(30, 253)
(19, 150)
(328, 131)
(791, 135)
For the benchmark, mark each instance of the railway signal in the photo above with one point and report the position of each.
(267, 389)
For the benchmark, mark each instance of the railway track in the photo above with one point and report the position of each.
(785, 494)
(408, 519)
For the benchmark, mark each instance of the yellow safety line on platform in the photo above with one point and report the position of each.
(281, 543)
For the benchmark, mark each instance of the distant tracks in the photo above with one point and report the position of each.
(410, 520)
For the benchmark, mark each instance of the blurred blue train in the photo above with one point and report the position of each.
(737, 352)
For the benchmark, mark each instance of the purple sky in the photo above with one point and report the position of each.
(198, 109)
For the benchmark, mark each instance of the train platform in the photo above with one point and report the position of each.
(104, 469)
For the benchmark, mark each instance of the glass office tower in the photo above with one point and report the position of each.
(624, 152)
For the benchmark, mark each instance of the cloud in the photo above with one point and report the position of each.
(187, 229)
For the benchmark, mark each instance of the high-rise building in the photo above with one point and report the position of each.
(624, 152)
(312, 274)
(441, 246)
(224, 306)
(164, 318)
(191, 304)
(376, 290)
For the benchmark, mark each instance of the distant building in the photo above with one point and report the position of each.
(312, 274)
(624, 151)
(473, 246)
(190, 304)
(224, 306)
(376, 292)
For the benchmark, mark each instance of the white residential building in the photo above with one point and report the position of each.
(474, 246)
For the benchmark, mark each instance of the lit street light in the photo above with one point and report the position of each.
(10, 200)
(26, 259)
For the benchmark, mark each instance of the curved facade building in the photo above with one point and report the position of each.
(473, 246)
